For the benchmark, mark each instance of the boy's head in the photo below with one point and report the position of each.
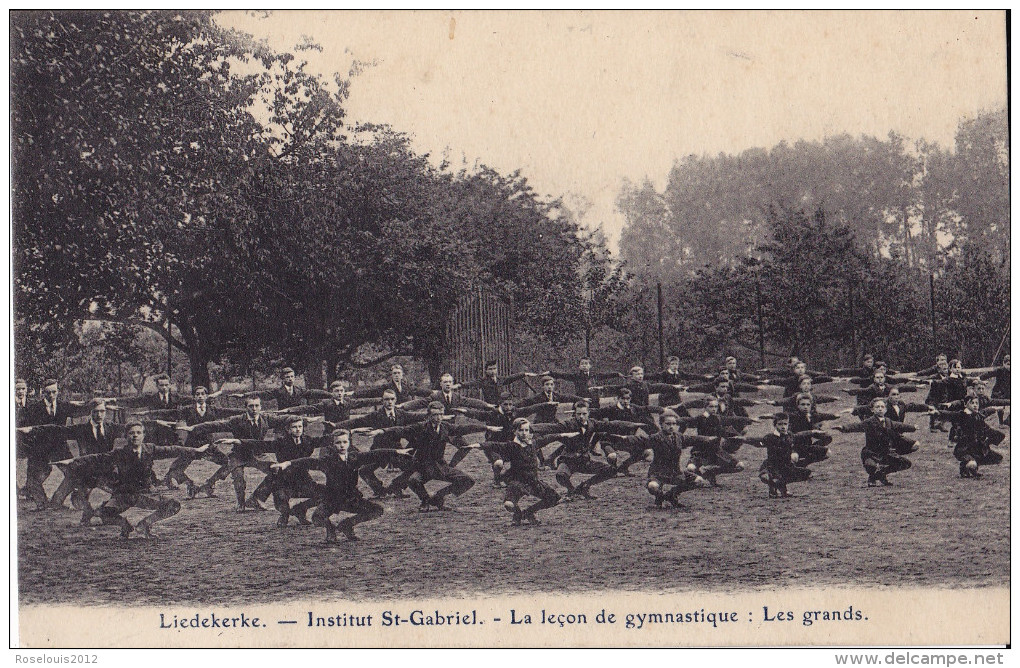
(135, 434)
(878, 407)
(341, 442)
(670, 422)
(522, 431)
(781, 421)
(436, 410)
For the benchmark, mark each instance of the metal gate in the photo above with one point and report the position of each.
(478, 331)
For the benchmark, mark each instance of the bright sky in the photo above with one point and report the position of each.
(580, 101)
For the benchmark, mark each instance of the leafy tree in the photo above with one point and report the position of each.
(131, 139)
(980, 171)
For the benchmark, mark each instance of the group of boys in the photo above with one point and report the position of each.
(411, 430)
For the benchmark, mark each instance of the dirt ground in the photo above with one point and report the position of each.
(930, 529)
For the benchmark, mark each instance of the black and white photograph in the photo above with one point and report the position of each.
(430, 328)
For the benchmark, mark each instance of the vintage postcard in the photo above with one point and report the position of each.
(511, 329)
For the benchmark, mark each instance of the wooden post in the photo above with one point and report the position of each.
(169, 358)
(662, 347)
(853, 323)
(761, 326)
(934, 332)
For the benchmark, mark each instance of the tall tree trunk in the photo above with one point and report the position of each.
(199, 363)
(314, 378)
(198, 355)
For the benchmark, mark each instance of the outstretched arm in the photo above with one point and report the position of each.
(168, 451)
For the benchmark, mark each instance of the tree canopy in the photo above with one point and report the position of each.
(177, 176)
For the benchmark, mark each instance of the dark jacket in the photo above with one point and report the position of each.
(455, 400)
(404, 393)
(583, 382)
(1001, 376)
(491, 389)
(546, 405)
(341, 476)
(128, 472)
(880, 434)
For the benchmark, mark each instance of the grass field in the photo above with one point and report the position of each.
(930, 529)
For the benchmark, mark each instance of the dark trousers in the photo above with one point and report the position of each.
(777, 476)
(37, 470)
(680, 481)
(879, 466)
(811, 453)
(519, 488)
(981, 452)
(362, 510)
(462, 450)
(636, 453)
(599, 471)
(236, 462)
(286, 486)
(120, 502)
(714, 461)
(460, 482)
(368, 473)
(178, 468)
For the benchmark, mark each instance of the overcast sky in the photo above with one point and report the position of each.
(579, 101)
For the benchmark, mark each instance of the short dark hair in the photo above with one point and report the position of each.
(491, 363)
(195, 389)
(624, 393)
(780, 417)
(581, 403)
(133, 423)
(436, 404)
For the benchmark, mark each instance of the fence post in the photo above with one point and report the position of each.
(761, 326)
(662, 348)
(934, 334)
